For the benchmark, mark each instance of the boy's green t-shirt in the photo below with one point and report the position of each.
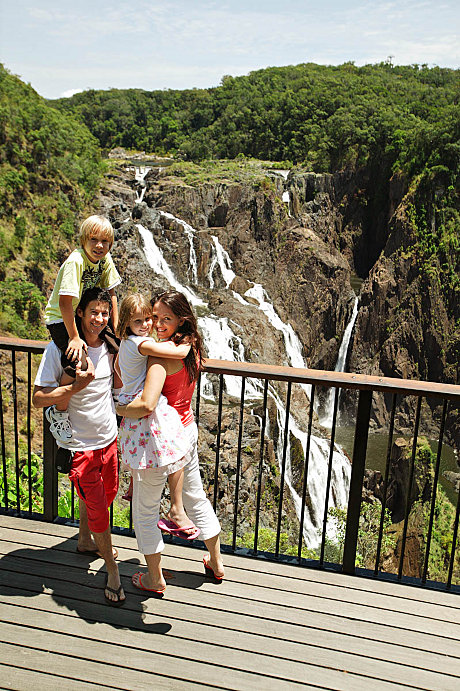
(76, 275)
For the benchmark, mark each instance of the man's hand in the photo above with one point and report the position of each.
(82, 379)
(75, 348)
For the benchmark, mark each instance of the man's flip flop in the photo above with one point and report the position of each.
(173, 529)
(115, 591)
(140, 585)
(95, 552)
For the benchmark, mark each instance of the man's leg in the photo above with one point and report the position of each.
(85, 538)
(87, 478)
(104, 546)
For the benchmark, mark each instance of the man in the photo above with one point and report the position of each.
(94, 470)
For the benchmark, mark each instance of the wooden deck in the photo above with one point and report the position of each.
(267, 626)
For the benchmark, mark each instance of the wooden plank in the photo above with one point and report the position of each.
(356, 655)
(395, 602)
(428, 618)
(165, 653)
(206, 663)
(258, 567)
(88, 585)
(25, 680)
(87, 670)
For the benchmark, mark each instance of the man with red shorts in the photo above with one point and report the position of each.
(94, 470)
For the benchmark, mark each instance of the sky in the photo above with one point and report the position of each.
(61, 47)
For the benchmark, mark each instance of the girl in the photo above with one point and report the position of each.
(173, 321)
(158, 440)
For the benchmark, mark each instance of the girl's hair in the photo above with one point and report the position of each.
(188, 331)
(96, 224)
(128, 306)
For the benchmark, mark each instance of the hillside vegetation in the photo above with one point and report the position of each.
(325, 117)
(50, 167)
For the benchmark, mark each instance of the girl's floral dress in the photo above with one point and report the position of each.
(154, 441)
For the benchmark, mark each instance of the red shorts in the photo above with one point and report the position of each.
(95, 476)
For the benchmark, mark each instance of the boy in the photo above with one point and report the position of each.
(86, 267)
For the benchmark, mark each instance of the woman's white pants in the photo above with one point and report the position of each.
(148, 487)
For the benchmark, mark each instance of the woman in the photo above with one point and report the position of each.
(174, 320)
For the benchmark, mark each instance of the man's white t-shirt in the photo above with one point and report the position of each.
(91, 410)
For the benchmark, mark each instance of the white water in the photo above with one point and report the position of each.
(327, 416)
(222, 343)
(222, 258)
(190, 232)
(317, 476)
(159, 264)
(139, 176)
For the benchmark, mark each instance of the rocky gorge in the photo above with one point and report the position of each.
(239, 247)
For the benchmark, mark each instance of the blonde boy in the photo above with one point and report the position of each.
(86, 267)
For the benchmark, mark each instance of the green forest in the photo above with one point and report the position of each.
(50, 168)
(389, 120)
(326, 118)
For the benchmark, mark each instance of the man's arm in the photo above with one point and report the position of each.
(147, 402)
(45, 396)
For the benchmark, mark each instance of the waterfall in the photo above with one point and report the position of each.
(190, 232)
(222, 258)
(327, 416)
(222, 343)
(139, 176)
(317, 476)
(158, 263)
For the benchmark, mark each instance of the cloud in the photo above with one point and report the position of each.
(70, 92)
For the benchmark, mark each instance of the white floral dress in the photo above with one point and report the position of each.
(155, 441)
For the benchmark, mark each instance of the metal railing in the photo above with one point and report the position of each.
(18, 472)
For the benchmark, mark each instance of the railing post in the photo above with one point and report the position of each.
(356, 481)
(50, 489)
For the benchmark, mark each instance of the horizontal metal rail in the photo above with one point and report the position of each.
(449, 394)
(344, 380)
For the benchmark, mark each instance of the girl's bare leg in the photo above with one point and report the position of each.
(177, 511)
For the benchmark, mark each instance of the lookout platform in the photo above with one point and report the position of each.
(267, 626)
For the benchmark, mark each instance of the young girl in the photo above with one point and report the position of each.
(157, 440)
(173, 321)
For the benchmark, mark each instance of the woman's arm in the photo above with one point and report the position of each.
(165, 349)
(147, 402)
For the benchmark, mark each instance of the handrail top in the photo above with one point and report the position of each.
(346, 380)
(23, 344)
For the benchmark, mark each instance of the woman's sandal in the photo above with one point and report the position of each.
(209, 572)
(141, 586)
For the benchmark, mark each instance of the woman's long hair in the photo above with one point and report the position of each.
(188, 331)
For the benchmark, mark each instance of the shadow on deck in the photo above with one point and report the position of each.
(266, 626)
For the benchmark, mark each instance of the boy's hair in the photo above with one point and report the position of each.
(94, 294)
(94, 224)
(128, 306)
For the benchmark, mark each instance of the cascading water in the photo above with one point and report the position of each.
(326, 417)
(222, 343)
(139, 176)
